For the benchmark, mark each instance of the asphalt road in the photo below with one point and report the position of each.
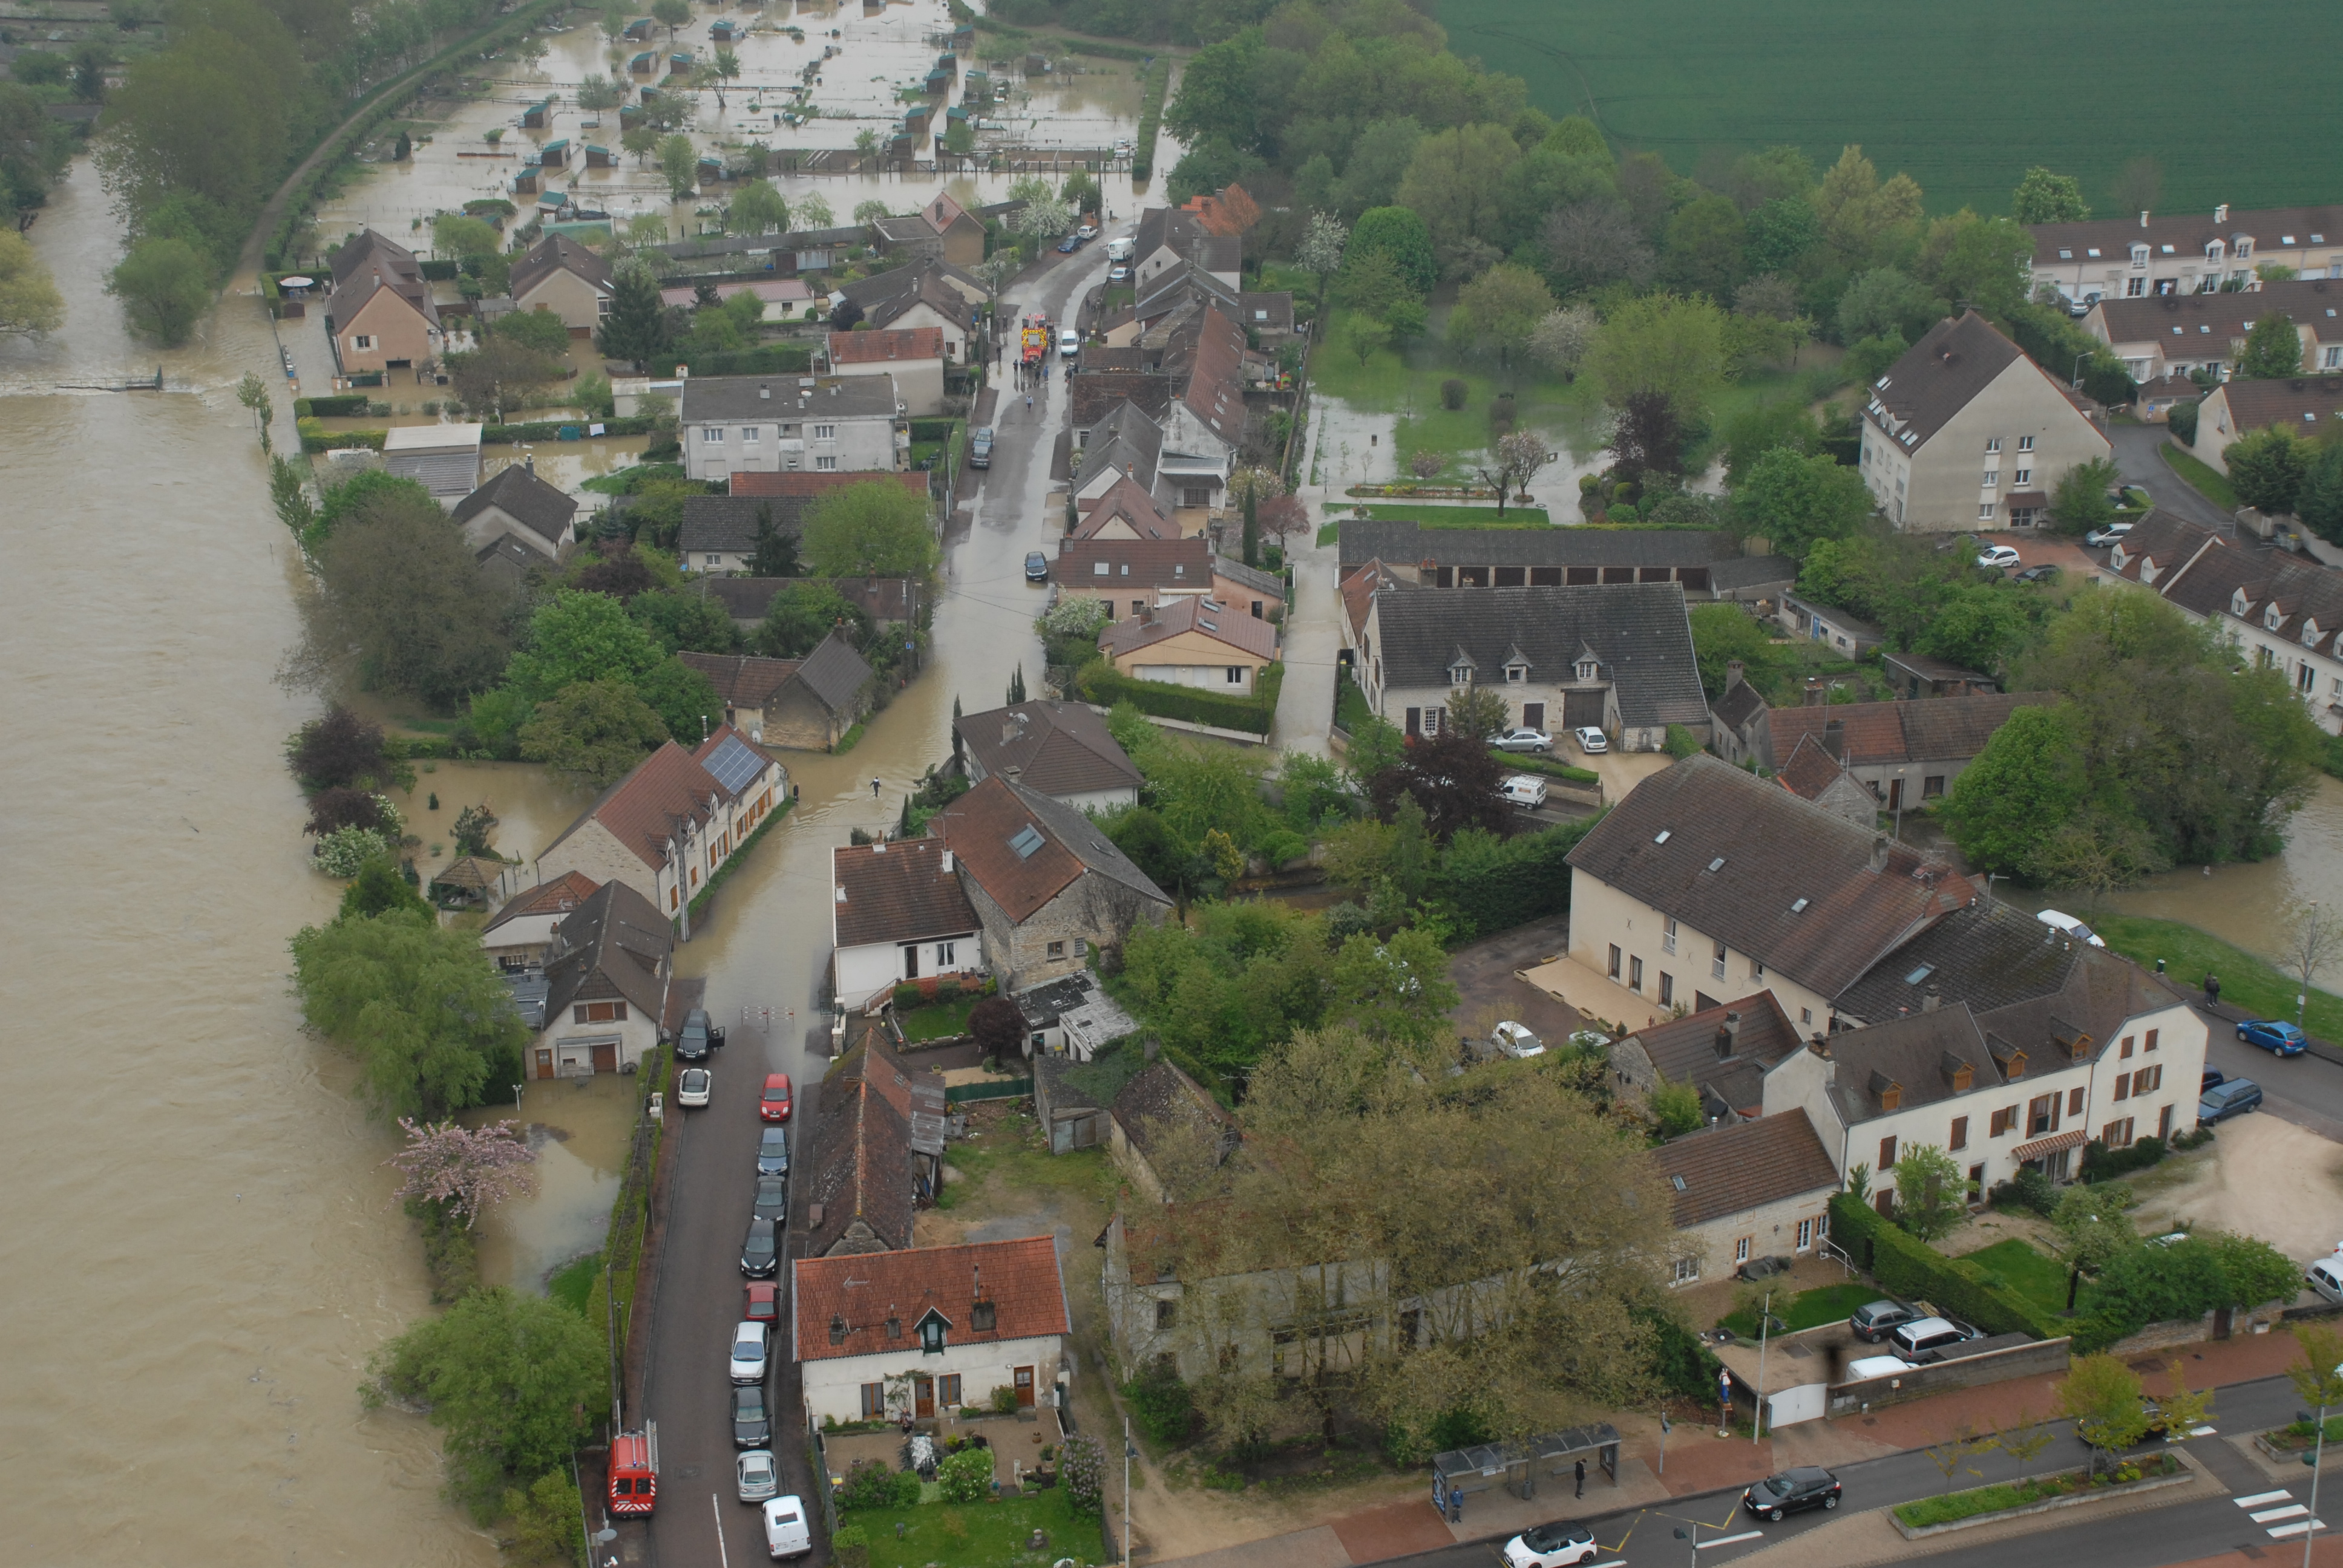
(2138, 463)
(2305, 1089)
(1716, 1530)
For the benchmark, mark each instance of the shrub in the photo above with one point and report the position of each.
(2182, 422)
(1161, 1403)
(870, 1484)
(1452, 393)
(1911, 1268)
(1100, 683)
(1082, 1472)
(1687, 1368)
(967, 1476)
(2101, 1163)
(850, 1546)
(2028, 1190)
(1003, 1401)
(343, 852)
(1281, 847)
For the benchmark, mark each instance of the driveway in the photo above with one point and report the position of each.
(1487, 989)
(2138, 463)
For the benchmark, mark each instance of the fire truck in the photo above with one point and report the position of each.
(1034, 339)
(634, 1472)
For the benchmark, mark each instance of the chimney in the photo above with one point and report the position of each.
(1817, 1044)
(1147, 615)
(1835, 738)
(529, 462)
(1732, 1026)
(948, 862)
(1932, 1000)
(2143, 218)
(2220, 214)
(1879, 852)
(1815, 691)
(764, 391)
(1736, 673)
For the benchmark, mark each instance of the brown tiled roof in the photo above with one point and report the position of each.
(1810, 770)
(1705, 1050)
(1917, 1058)
(1740, 854)
(1128, 499)
(1056, 748)
(640, 811)
(558, 253)
(743, 680)
(1136, 563)
(1359, 590)
(879, 348)
(2186, 233)
(368, 249)
(2158, 545)
(1268, 312)
(898, 892)
(1742, 1165)
(614, 946)
(1162, 1092)
(1215, 392)
(1201, 616)
(1922, 730)
(2195, 325)
(2306, 596)
(352, 294)
(2303, 404)
(557, 897)
(1937, 377)
(983, 827)
(1093, 395)
(941, 211)
(861, 1166)
(808, 483)
(861, 1295)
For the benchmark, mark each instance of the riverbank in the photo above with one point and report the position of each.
(2250, 985)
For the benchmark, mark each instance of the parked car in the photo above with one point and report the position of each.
(1801, 1486)
(1524, 790)
(750, 1341)
(1874, 1321)
(760, 1252)
(2130, 498)
(2044, 573)
(980, 446)
(1870, 1367)
(1524, 740)
(2274, 1035)
(1998, 557)
(1118, 273)
(1591, 740)
(756, 1476)
(764, 1303)
(1068, 245)
(2325, 1278)
(774, 1105)
(752, 1424)
(1069, 342)
(772, 1198)
(2099, 539)
(1913, 1339)
(692, 1086)
(1555, 1545)
(2213, 1075)
(786, 1533)
(1515, 1039)
(2223, 1100)
(2071, 926)
(773, 1152)
(1037, 566)
(1087, 232)
(697, 1035)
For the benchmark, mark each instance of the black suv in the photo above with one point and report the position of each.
(1876, 1321)
(698, 1033)
(1805, 1486)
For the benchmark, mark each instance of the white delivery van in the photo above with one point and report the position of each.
(1118, 249)
(786, 1534)
(1524, 789)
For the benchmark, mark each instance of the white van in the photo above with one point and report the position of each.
(786, 1534)
(1524, 789)
(2059, 921)
(1118, 249)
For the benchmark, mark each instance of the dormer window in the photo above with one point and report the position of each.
(2213, 251)
(2238, 602)
(1587, 669)
(1461, 675)
(1517, 673)
(931, 1334)
(894, 1327)
(837, 1329)
(2140, 256)
(1890, 1093)
(2270, 618)
(2245, 247)
(2310, 634)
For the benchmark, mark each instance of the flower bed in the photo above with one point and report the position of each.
(2035, 1494)
(2295, 1440)
(1408, 492)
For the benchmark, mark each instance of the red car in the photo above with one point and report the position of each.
(763, 1298)
(775, 1105)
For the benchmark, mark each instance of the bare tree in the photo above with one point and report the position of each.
(1514, 462)
(2313, 933)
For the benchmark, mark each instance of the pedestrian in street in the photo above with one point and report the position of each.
(1581, 1478)
(874, 789)
(2212, 989)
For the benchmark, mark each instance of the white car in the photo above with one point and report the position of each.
(2071, 926)
(749, 1343)
(1525, 791)
(1591, 740)
(2326, 1278)
(1997, 557)
(1524, 740)
(1069, 342)
(757, 1475)
(1515, 1039)
(1088, 231)
(693, 1085)
(786, 1534)
(1118, 273)
(1555, 1545)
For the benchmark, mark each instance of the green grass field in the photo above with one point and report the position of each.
(2201, 476)
(2028, 1272)
(1963, 98)
(2247, 981)
(1812, 1308)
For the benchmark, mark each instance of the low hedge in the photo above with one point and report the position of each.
(1522, 762)
(1100, 683)
(1949, 1507)
(315, 439)
(1910, 1268)
(932, 430)
(340, 405)
(1150, 118)
(550, 429)
(441, 270)
(771, 359)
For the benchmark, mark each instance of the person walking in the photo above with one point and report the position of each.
(2212, 989)
(1581, 1478)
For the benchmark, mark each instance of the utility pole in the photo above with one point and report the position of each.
(1765, 1332)
(1128, 1452)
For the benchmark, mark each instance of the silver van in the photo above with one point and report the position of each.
(1911, 1340)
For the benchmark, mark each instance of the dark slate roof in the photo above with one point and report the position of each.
(898, 892)
(2186, 232)
(1770, 851)
(1269, 314)
(1938, 376)
(1215, 389)
(1917, 1058)
(520, 495)
(505, 560)
(1989, 956)
(558, 253)
(2191, 324)
(1724, 1058)
(1362, 540)
(743, 397)
(730, 522)
(1253, 578)
(861, 1161)
(1743, 572)
(1093, 395)
(1126, 441)
(835, 673)
(1739, 1166)
(1043, 1004)
(1058, 748)
(1639, 632)
(367, 247)
(917, 1093)
(613, 946)
(1741, 703)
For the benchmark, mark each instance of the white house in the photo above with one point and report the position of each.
(897, 913)
(2130, 257)
(518, 935)
(1746, 1190)
(880, 1335)
(775, 424)
(913, 356)
(607, 970)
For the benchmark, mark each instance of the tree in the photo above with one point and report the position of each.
(998, 1026)
(548, 1521)
(339, 751)
(684, 699)
(2044, 198)
(594, 732)
(874, 529)
(599, 95)
(1249, 487)
(1081, 192)
(463, 1170)
(671, 15)
(1561, 339)
(1863, 218)
(1372, 284)
(1403, 234)
(1930, 1194)
(2318, 499)
(2028, 777)
(2318, 1378)
(2312, 935)
(2079, 502)
(725, 67)
(1780, 236)
(1282, 516)
(582, 637)
(331, 810)
(1593, 242)
(1452, 776)
(1514, 462)
(1675, 1108)
(1646, 436)
(1396, 991)
(1661, 344)
(1479, 712)
(1016, 692)
(1723, 634)
(166, 286)
(514, 1381)
(540, 331)
(813, 212)
(678, 160)
(1456, 183)
(1364, 337)
(475, 827)
(802, 614)
(641, 142)
(686, 622)
(1705, 239)
(30, 305)
(401, 606)
(2266, 468)
(1795, 500)
(2025, 1437)
(1956, 1444)
(1499, 310)
(2273, 350)
(1882, 303)
(378, 888)
(1320, 253)
(499, 374)
(757, 208)
(2102, 1397)
(251, 392)
(35, 151)
(422, 1008)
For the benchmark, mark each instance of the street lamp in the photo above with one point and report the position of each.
(1692, 1535)
(1899, 803)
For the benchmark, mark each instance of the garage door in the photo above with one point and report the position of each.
(1582, 709)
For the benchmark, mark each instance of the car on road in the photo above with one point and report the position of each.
(773, 1152)
(1515, 1039)
(2060, 920)
(786, 1533)
(1525, 790)
(1997, 557)
(752, 1423)
(2044, 573)
(764, 1303)
(756, 1476)
(750, 1344)
(1069, 342)
(980, 446)
(1556, 1545)
(1068, 245)
(697, 1035)
(1876, 1321)
(692, 1086)
(1800, 1486)
(2223, 1100)
(2131, 497)
(1591, 740)
(1915, 1339)
(1524, 740)
(1037, 566)
(1087, 232)
(2274, 1035)
(1118, 273)
(774, 1104)
(2325, 1278)
(760, 1251)
(2099, 539)
(772, 1198)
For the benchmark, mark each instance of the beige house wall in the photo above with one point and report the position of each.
(578, 302)
(1602, 917)
(1713, 1249)
(1944, 488)
(397, 329)
(1194, 659)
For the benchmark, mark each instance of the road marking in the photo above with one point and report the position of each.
(1729, 1540)
(2291, 1511)
(723, 1557)
(2280, 1533)
(2258, 1498)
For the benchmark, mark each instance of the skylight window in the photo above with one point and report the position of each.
(1918, 975)
(1799, 908)
(1663, 835)
(1677, 1183)
(1027, 840)
(1717, 864)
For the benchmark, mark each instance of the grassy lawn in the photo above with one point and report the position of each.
(938, 1020)
(2247, 981)
(2016, 1264)
(1009, 1146)
(1350, 708)
(573, 1283)
(1943, 1510)
(978, 1531)
(1810, 1309)
(2215, 488)
(1432, 514)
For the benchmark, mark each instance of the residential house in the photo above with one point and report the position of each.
(861, 1180)
(1142, 571)
(1071, 1017)
(1162, 1112)
(776, 424)
(719, 532)
(888, 601)
(1207, 420)
(1706, 881)
(667, 826)
(1046, 882)
(518, 934)
(2167, 335)
(379, 314)
(2303, 405)
(607, 968)
(508, 563)
(1093, 395)
(884, 1335)
(1722, 1051)
(1847, 635)
(445, 459)
(1168, 237)
(1125, 448)
(1697, 560)
(2129, 257)
(1965, 432)
(1619, 659)
(942, 230)
(1229, 210)
(801, 704)
(1814, 774)
(785, 299)
(1743, 1191)
(564, 277)
(1267, 318)
(1905, 753)
(1123, 509)
(1060, 749)
(515, 503)
(914, 357)
(929, 294)
(897, 912)
(1192, 642)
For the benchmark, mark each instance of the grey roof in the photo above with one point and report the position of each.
(782, 398)
(1743, 572)
(2303, 404)
(1989, 956)
(2191, 325)
(1938, 376)
(1057, 747)
(1125, 441)
(1741, 703)
(1270, 313)
(1639, 632)
(835, 673)
(730, 522)
(441, 473)
(1162, 1093)
(1917, 1058)
(1253, 578)
(2186, 232)
(1185, 281)
(1093, 395)
(517, 491)
(1361, 540)
(1044, 1004)
(505, 560)
(615, 946)
(558, 253)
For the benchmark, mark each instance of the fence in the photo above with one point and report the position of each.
(1004, 1089)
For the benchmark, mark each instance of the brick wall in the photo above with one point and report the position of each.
(2036, 1359)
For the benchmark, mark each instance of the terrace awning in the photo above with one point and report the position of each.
(2057, 1144)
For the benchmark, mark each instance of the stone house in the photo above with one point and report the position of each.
(518, 934)
(914, 357)
(1814, 774)
(734, 424)
(564, 277)
(1192, 640)
(897, 912)
(1157, 1099)
(874, 1156)
(666, 827)
(1746, 1190)
(1905, 752)
(516, 504)
(608, 965)
(1143, 572)
(1060, 749)
(799, 704)
(1722, 1051)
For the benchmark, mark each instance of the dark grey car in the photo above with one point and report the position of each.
(980, 446)
(1802, 1486)
(752, 1427)
(1876, 1321)
(697, 1035)
(760, 1252)
(773, 1152)
(2223, 1100)
(772, 1198)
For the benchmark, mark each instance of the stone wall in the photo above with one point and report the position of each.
(2032, 1360)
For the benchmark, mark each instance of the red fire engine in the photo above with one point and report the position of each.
(634, 1474)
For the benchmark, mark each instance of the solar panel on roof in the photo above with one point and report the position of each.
(733, 764)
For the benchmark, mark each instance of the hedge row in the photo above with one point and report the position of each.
(1910, 1268)
(313, 440)
(1100, 683)
(1497, 885)
(340, 405)
(438, 271)
(772, 359)
(550, 429)
(932, 430)
(1150, 118)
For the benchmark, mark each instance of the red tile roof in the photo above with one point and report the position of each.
(1215, 392)
(1744, 1165)
(878, 348)
(742, 679)
(1135, 563)
(1219, 622)
(986, 828)
(642, 810)
(818, 484)
(844, 1305)
(897, 893)
(557, 897)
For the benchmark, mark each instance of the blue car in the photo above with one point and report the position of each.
(1068, 245)
(2272, 1034)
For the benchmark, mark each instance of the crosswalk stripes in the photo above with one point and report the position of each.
(2279, 1514)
